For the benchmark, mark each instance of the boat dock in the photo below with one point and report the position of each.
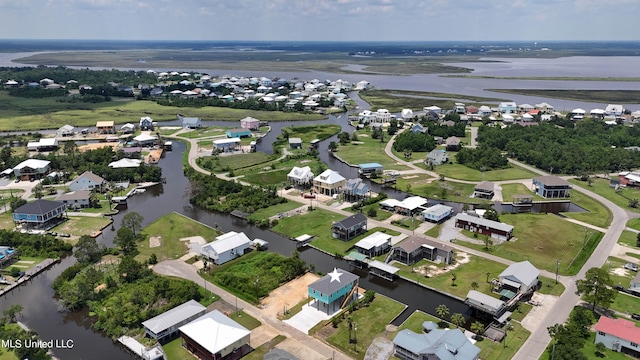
(47, 263)
(133, 345)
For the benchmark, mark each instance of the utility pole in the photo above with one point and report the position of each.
(557, 266)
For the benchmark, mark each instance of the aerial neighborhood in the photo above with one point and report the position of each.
(427, 230)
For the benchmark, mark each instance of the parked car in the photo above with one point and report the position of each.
(631, 266)
(635, 316)
(64, 235)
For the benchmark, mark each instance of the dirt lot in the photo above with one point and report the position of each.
(287, 295)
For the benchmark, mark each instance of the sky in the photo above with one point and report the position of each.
(321, 20)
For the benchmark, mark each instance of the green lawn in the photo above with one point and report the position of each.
(367, 150)
(597, 214)
(618, 274)
(207, 131)
(245, 319)
(316, 223)
(172, 227)
(380, 214)
(275, 172)
(626, 304)
(634, 223)
(273, 210)
(462, 172)
(601, 187)
(222, 163)
(516, 337)
(339, 247)
(6, 221)
(259, 352)
(82, 225)
(424, 185)
(306, 133)
(628, 238)
(434, 231)
(589, 350)
(175, 351)
(539, 235)
(508, 190)
(370, 322)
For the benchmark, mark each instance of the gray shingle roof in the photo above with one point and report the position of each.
(445, 344)
(39, 207)
(351, 221)
(324, 285)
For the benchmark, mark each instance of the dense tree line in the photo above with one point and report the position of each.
(416, 142)
(63, 74)
(9, 330)
(35, 93)
(589, 146)
(221, 195)
(34, 245)
(482, 158)
(568, 339)
(445, 131)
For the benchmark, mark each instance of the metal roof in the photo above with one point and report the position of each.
(333, 281)
(444, 344)
(33, 164)
(550, 180)
(383, 266)
(412, 243)
(214, 331)
(370, 166)
(173, 316)
(91, 176)
(438, 210)
(484, 301)
(352, 221)
(484, 222)
(485, 185)
(523, 273)
(75, 195)
(227, 242)
(374, 240)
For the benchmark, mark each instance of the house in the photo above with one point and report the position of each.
(407, 114)
(508, 107)
(619, 335)
(418, 128)
(125, 163)
(375, 244)
(437, 157)
(40, 214)
(614, 110)
(484, 190)
(79, 199)
(433, 109)
(484, 110)
(145, 140)
(334, 291)
(190, 122)
(106, 127)
(225, 145)
(355, 190)
(459, 108)
(295, 143)
(127, 128)
(31, 169)
(551, 187)
(146, 123)
(383, 116)
(411, 205)
(452, 143)
(577, 114)
(545, 108)
(226, 247)
(300, 176)
(437, 213)
(87, 181)
(164, 327)
(43, 144)
(215, 336)
(6, 254)
(238, 133)
(329, 182)
(525, 107)
(434, 344)
(521, 276)
(414, 249)
(485, 303)
(367, 116)
(65, 130)
(250, 123)
(370, 168)
(389, 204)
(494, 229)
(349, 227)
(629, 178)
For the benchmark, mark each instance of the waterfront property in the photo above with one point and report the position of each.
(215, 336)
(250, 123)
(76, 199)
(6, 254)
(349, 227)
(238, 133)
(370, 168)
(437, 213)
(146, 123)
(329, 182)
(411, 205)
(106, 127)
(414, 249)
(43, 144)
(65, 130)
(190, 122)
(484, 226)
(300, 176)
(551, 187)
(226, 145)
(225, 248)
(125, 163)
(334, 291)
(619, 335)
(40, 214)
(145, 140)
(375, 244)
(87, 181)
(485, 303)
(31, 169)
(164, 327)
(434, 343)
(520, 277)
(355, 190)
(295, 143)
(437, 157)
(484, 190)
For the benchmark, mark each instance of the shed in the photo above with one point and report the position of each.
(295, 143)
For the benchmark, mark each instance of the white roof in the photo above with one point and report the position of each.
(227, 242)
(144, 137)
(173, 316)
(383, 266)
(438, 209)
(413, 202)
(597, 112)
(48, 142)
(329, 177)
(390, 203)
(33, 164)
(66, 128)
(300, 173)
(214, 331)
(578, 111)
(484, 300)
(507, 117)
(484, 222)
(521, 272)
(227, 141)
(376, 239)
(125, 163)
(127, 126)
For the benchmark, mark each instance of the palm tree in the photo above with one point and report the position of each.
(458, 319)
(474, 285)
(478, 328)
(442, 311)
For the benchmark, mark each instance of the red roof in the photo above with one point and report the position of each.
(534, 112)
(620, 328)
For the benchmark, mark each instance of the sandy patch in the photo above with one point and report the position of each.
(287, 295)
(619, 271)
(195, 240)
(433, 270)
(25, 261)
(410, 177)
(305, 161)
(155, 241)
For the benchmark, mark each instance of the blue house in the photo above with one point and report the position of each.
(40, 214)
(434, 343)
(417, 128)
(238, 133)
(355, 190)
(551, 187)
(190, 122)
(333, 290)
(437, 213)
(370, 168)
(509, 107)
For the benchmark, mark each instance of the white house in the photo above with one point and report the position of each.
(437, 157)
(87, 181)
(65, 130)
(226, 247)
(383, 116)
(614, 110)
(521, 276)
(367, 116)
(407, 114)
(329, 182)
(300, 175)
(165, 326)
(508, 107)
(618, 335)
(437, 213)
(125, 163)
(432, 108)
(375, 244)
(75, 199)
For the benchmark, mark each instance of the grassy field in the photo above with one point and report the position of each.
(20, 114)
(270, 211)
(275, 172)
(461, 172)
(370, 322)
(245, 319)
(82, 225)
(222, 163)
(618, 274)
(339, 247)
(508, 190)
(207, 131)
(316, 223)
(171, 228)
(307, 133)
(634, 223)
(597, 214)
(175, 351)
(396, 100)
(629, 238)
(626, 304)
(380, 214)
(367, 150)
(539, 235)
(601, 187)
(425, 185)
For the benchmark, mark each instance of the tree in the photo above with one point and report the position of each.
(126, 240)
(372, 213)
(133, 221)
(333, 146)
(37, 191)
(354, 136)
(130, 270)
(596, 288)
(88, 250)
(478, 328)
(442, 311)
(70, 148)
(600, 349)
(633, 203)
(487, 242)
(458, 319)
(638, 240)
(474, 285)
(12, 312)
(453, 279)
(491, 214)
